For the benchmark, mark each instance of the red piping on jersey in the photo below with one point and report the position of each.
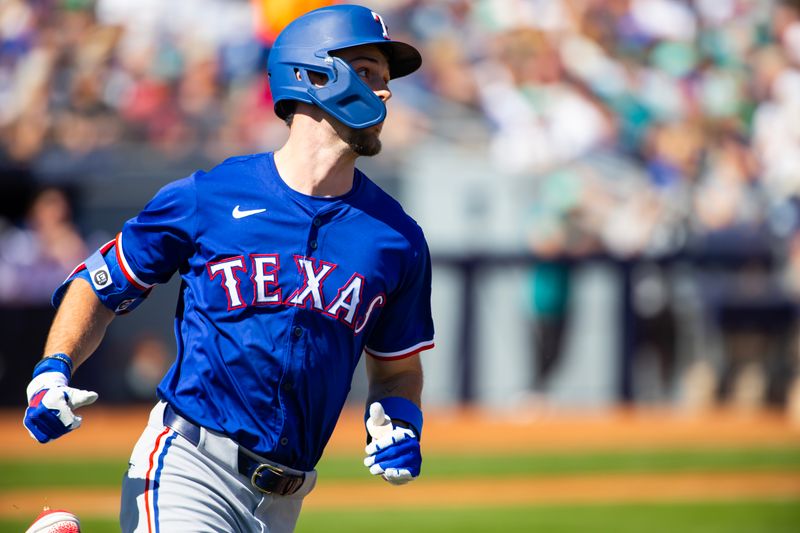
(401, 356)
(128, 275)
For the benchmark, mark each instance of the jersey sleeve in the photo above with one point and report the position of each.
(146, 252)
(405, 325)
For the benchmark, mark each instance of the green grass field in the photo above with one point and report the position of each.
(740, 517)
(108, 472)
(766, 515)
(744, 517)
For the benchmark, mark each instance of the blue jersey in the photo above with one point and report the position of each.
(280, 294)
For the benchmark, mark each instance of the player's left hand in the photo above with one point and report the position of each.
(395, 454)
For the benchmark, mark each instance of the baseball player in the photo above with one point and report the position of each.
(292, 264)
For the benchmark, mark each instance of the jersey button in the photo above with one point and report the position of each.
(284, 441)
(297, 331)
(313, 245)
(287, 387)
(317, 222)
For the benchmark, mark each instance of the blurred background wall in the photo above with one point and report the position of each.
(610, 189)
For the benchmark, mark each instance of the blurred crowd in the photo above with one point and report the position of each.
(646, 127)
(701, 97)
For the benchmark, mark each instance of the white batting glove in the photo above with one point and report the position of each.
(50, 406)
(378, 424)
(394, 452)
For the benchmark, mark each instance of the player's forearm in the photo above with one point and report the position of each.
(395, 378)
(394, 420)
(79, 325)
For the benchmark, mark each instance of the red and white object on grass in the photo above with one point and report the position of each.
(55, 521)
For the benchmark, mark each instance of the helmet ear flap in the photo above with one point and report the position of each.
(347, 98)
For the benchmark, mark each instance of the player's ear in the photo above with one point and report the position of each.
(318, 79)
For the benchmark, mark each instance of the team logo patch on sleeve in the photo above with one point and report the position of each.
(98, 271)
(101, 278)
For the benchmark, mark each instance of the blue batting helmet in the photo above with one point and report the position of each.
(306, 45)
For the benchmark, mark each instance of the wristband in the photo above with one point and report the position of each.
(57, 362)
(403, 410)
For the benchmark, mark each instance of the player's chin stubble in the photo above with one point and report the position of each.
(363, 142)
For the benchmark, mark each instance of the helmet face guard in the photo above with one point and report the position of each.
(306, 45)
(348, 98)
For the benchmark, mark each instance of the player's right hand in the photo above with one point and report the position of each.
(50, 405)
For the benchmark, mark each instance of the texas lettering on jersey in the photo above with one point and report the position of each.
(263, 271)
(249, 275)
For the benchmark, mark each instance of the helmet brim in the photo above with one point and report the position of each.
(402, 57)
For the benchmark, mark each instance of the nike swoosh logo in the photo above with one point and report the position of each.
(238, 213)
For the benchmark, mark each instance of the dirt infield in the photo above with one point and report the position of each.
(111, 433)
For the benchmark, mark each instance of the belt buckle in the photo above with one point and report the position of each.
(260, 468)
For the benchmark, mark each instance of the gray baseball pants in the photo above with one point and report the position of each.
(173, 485)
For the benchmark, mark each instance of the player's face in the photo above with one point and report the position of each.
(372, 67)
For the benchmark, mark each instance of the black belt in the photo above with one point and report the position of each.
(266, 477)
